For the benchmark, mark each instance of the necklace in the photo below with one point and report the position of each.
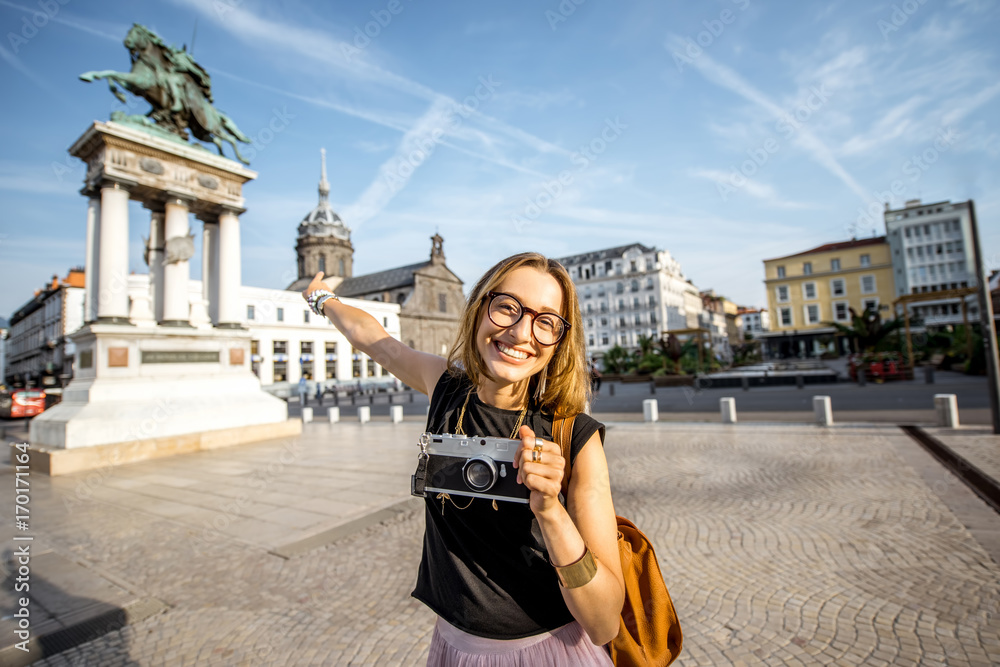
(461, 417)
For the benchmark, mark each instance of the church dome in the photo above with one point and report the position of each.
(323, 220)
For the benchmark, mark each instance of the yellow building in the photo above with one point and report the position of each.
(808, 290)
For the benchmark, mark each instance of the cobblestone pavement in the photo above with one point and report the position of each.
(781, 545)
(976, 444)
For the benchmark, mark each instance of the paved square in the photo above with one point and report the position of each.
(781, 544)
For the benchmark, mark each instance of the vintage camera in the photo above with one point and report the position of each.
(464, 465)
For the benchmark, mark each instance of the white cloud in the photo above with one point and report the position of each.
(804, 138)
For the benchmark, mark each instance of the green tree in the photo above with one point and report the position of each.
(868, 328)
(617, 360)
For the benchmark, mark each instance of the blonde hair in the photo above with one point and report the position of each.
(567, 386)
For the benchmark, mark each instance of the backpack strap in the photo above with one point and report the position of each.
(562, 435)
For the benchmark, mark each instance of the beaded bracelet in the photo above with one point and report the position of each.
(318, 298)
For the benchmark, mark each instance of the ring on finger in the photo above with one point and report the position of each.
(536, 456)
(538, 445)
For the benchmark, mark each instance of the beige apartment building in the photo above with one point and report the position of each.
(807, 291)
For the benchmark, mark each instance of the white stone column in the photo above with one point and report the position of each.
(112, 274)
(155, 256)
(91, 279)
(210, 268)
(177, 272)
(229, 270)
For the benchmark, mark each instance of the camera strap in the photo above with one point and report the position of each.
(418, 479)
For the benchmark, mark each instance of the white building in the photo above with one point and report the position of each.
(932, 251)
(37, 350)
(755, 321)
(630, 291)
(288, 341)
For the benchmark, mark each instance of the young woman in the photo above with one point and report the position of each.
(511, 583)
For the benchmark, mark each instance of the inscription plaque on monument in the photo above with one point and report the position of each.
(179, 357)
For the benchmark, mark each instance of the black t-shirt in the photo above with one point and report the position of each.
(486, 570)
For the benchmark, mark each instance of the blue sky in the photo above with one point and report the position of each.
(726, 132)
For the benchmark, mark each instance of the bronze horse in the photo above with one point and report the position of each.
(179, 89)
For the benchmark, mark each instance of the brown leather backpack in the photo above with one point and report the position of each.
(649, 632)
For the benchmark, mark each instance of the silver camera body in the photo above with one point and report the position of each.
(476, 466)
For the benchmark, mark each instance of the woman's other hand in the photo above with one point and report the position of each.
(316, 284)
(543, 476)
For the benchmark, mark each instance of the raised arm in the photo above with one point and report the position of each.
(419, 370)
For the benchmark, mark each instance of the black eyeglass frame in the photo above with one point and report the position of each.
(491, 295)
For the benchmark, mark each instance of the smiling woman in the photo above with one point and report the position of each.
(512, 583)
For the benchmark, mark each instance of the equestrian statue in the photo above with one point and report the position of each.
(177, 87)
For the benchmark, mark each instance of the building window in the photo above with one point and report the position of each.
(590, 341)
(281, 314)
(840, 312)
(624, 339)
(322, 263)
(783, 293)
(867, 284)
(635, 302)
(809, 291)
(652, 300)
(870, 303)
(604, 307)
(621, 321)
(604, 321)
(305, 316)
(620, 288)
(781, 272)
(812, 314)
(649, 263)
(632, 266)
(250, 312)
(443, 302)
(638, 319)
(340, 265)
(838, 287)
(634, 285)
(604, 339)
(835, 265)
(649, 283)
(355, 362)
(866, 260)
(807, 268)
(331, 361)
(590, 308)
(786, 316)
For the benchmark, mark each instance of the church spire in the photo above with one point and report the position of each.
(324, 185)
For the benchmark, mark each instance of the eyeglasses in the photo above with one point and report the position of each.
(506, 311)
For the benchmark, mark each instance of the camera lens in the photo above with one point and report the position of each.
(480, 473)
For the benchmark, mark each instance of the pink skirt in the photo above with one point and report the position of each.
(567, 646)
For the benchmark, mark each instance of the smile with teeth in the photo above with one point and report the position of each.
(510, 352)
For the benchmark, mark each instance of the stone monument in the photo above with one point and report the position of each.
(159, 373)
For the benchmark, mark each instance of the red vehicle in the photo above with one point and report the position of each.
(20, 403)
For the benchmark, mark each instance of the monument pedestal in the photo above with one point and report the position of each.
(143, 392)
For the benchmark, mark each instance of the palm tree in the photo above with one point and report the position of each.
(617, 360)
(868, 328)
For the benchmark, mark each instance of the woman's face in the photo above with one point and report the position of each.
(512, 354)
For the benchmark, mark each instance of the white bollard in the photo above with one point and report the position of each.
(947, 410)
(364, 414)
(307, 415)
(396, 414)
(650, 410)
(728, 408)
(333, 414)
(823, 410)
